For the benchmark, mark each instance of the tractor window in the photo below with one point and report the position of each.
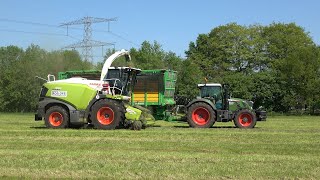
(117, 74)
(211, 91)
(117, 78)
(113, 73)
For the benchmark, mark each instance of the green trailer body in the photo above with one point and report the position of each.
(155, 90)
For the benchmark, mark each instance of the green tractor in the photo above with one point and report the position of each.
(215, 105)
(103, 103)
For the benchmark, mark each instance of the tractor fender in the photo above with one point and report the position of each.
(210, 103)
(92, 102)
(45, 103)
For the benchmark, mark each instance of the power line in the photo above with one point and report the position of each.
(40, 33)
(35, 23)
(55, 26)
(43, 24)
(86, 44)
(47, 34)
(117, 35)
(27, 22)
(32, 32)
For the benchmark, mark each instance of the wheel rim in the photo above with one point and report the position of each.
(105, 115)
(55, 119)
(201, 116)
(245, 119)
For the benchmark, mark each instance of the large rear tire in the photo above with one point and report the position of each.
(56, 117)
(201, 115)
(245, 119)
(107, 114)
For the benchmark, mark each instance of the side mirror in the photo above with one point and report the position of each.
(226, 86)
(226, 89)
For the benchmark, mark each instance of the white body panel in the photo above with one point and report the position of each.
(212, 84)
(94, 84)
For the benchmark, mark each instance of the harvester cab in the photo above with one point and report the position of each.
(104, 103)
(121, 80)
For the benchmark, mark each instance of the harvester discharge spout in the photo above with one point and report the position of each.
(110, 60)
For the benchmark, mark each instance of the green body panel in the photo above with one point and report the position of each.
(77, 95)
(132, 113)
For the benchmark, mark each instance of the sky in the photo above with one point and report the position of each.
(172, 23)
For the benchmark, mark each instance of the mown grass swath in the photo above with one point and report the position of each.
(282, 147)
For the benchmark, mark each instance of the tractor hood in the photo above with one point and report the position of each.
(237, 103)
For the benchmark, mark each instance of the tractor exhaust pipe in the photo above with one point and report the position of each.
(226, 96)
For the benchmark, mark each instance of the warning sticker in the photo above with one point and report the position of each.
(57, 93)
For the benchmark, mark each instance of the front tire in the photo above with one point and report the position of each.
(107, 114)
(201, 115)
(245, 119)
(56, 117)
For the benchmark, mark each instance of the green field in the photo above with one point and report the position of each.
(282, 147)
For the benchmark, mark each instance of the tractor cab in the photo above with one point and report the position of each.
(213, 92)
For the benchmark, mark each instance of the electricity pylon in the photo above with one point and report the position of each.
(87, 43)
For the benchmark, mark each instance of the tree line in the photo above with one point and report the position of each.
(277, 66)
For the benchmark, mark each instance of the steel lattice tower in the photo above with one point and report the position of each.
(87, 43)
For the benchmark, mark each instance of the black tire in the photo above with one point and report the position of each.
(107, 114)
(201, 115)
(245, 119)
(56, 117)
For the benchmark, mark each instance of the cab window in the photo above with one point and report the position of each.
(211, 91)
